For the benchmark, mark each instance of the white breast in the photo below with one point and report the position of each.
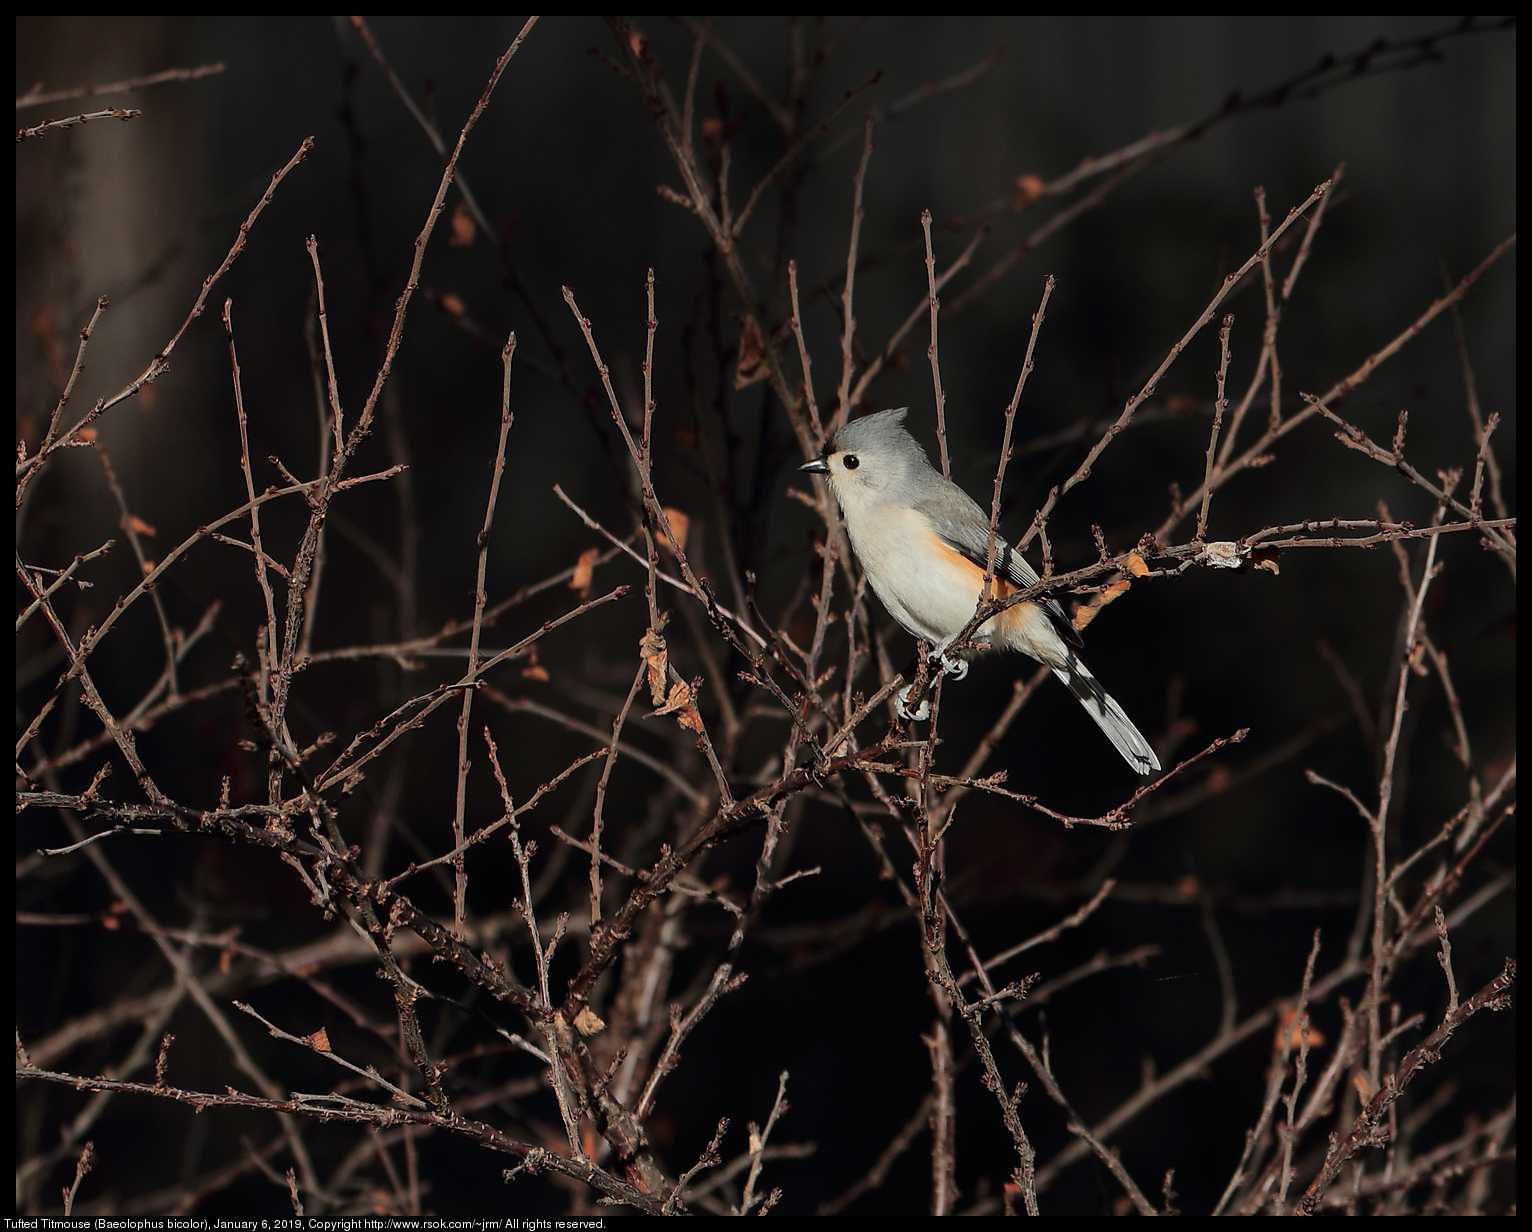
(926, 587)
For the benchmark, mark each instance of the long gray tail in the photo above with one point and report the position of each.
(1109, 716)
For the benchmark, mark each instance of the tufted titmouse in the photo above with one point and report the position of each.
(922, 542)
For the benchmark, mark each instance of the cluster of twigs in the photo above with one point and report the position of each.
(587, 1010)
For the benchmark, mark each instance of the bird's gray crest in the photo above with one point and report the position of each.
(883, 430)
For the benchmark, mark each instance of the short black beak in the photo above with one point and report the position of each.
(818, 467)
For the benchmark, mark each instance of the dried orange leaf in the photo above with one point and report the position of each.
(584, 568)
(752, 356)
(652, 648)
(1028, 188)
(463, 228)
(679, 523)
(1294, 1030)
(681, 704)
(1088, 612)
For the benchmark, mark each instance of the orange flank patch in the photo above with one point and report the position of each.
(1002, 586)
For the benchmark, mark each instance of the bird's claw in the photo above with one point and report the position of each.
(918, 716)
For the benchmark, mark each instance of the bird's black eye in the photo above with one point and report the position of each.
(851, 461)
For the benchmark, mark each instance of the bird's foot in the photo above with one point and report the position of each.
(901, 700)
(957, 668)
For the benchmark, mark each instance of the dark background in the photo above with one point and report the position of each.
(566, 161)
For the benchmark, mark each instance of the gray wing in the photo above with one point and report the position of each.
(965, 527)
